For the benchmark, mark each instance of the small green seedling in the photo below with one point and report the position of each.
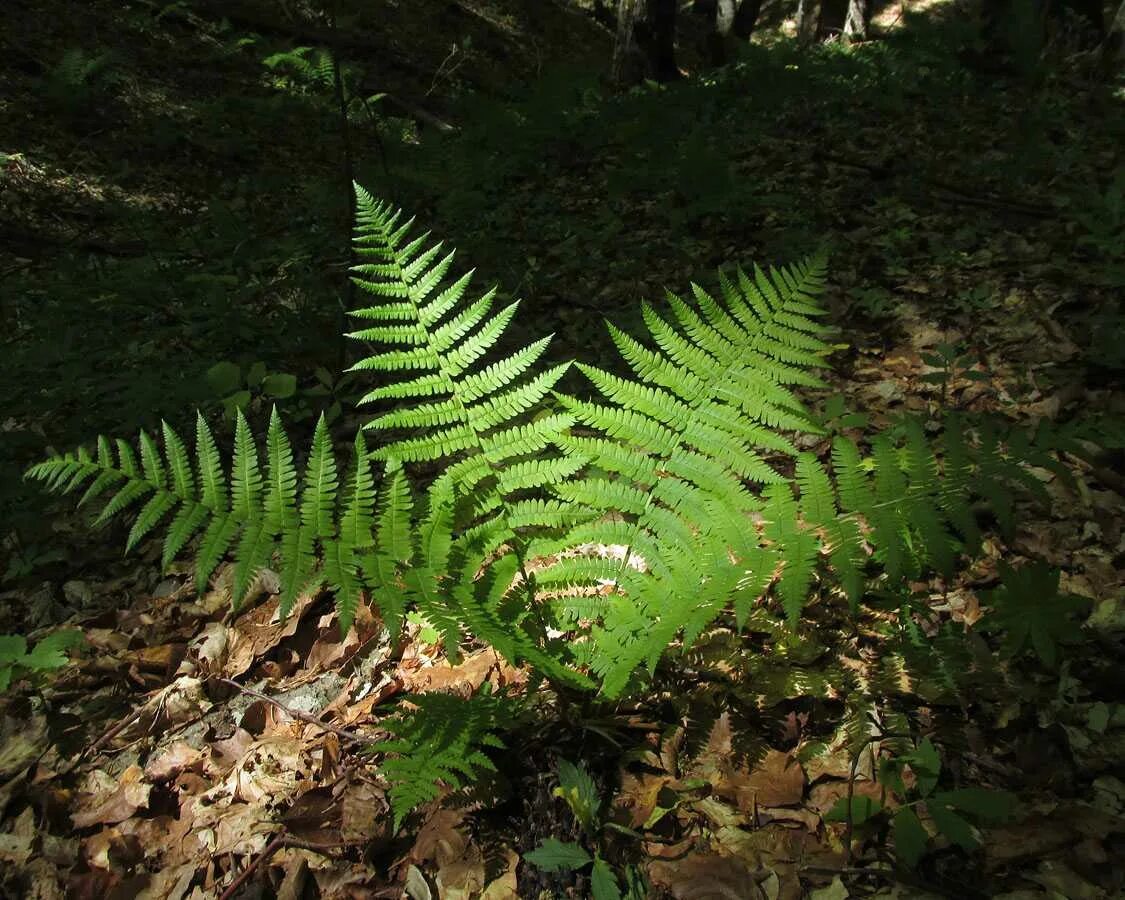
(952, 813)
(237, 389)
(950, 364)
(580, 792)
(16, 661)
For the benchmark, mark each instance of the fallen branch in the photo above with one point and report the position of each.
(298, 714)
(270, 849)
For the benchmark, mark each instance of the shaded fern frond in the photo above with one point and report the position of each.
(441, 742)
(252, 512)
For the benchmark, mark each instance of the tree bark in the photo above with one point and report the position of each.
(830, 22)
(646, 41)
(746, 19)
(855, 22)
(1114, 44)
(720, 16)
(808, 14)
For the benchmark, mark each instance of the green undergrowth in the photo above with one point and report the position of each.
(587, 536)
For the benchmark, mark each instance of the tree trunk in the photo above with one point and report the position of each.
(628, 60)
(808, 14)
(746, 18)
(855, 22)
(646, 41)
(1112, 55)
(719, 15)
(830, 22)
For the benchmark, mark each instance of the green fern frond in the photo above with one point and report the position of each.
(469, 414)
(442, 742)
(252, 513)
(686, 432)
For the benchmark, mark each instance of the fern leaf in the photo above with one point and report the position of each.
(211, 480)
(441, 744)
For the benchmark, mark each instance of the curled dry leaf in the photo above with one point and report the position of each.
(129, 793)
(207, 652)
(259, 630)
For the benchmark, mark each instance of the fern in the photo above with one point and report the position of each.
(581, 536)
(440, 743)
(682, 460)
(467, 414)
(677, 477)
(254, 513)
(677, 449)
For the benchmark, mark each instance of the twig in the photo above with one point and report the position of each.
(113, 732)
(297, 714)
(270, 849)
(849, 823)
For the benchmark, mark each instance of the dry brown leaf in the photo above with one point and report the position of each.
(226, 753)
(22, 741)
(461, 879)
(706, 876)
(225, 827)
(183, 701)
(506, 886)
(175, 759)
(823, 795)
(129, 794)
(259, 630)
(439, 838)
(207, 651)
(17, 845)
(270, 770)
(638, 796)
(364, 812)
(169, 883)
(161, 659)
(464, 679)
(775, 780)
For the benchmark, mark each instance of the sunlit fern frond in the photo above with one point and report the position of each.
(254, 513)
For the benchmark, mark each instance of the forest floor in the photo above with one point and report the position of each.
(174, 219)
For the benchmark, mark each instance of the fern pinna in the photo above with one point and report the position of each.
(442, 742)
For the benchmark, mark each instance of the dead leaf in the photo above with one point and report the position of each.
(464, 679)
(439, 839)
(638, 796)
(17, 845)
(175, 759)
(130, 794)
(777, 779)
(22, 741)
(506, 886)
(259, 630)
(169, 884)
(461, 879)
(207, 652)
(706, 876)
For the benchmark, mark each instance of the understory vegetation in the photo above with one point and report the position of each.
(736, 511)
